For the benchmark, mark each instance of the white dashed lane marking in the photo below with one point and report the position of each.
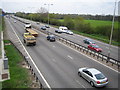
(70, 57)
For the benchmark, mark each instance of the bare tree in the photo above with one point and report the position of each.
(42, 10)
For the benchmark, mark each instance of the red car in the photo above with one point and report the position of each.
(94, 47)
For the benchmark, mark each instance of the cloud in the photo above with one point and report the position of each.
(60, 6)
(59, 0)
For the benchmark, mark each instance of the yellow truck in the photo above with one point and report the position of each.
(32, 32)
(29, 39)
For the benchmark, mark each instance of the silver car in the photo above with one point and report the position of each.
(69, 32)
(93, 76)
(14, 21)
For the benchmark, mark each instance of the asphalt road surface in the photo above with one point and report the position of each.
(59, 64)
(79, 39)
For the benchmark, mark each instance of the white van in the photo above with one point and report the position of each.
(63, 29)
(27, 25)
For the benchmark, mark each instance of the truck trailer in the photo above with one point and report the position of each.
(29, 39)
(32, 32)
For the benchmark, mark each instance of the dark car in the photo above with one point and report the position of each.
(37, 22)
(94, 47)
(14, 21)
(43, 28)
(88, 41)
(51, 37)
(47, 26)
(58, 31)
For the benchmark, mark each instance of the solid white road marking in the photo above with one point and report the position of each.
(53, 46)
(31, 59)
(89, 57)
(80, 83)
(97, 41)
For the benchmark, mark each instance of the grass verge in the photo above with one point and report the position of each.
(0, 27)
(19, 77)
(2, 24)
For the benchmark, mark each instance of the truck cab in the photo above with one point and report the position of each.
(27, 25)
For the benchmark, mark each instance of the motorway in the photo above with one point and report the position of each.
(59, 64)
(79, 39)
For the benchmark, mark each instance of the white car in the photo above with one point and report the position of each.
(93, 76)
(69, 32)
(14, 21)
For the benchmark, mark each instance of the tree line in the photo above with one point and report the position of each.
(73, 22)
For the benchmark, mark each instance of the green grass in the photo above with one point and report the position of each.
(1, 24)
(0, 27)
(98, 37)
(18, 75)
(95, 23)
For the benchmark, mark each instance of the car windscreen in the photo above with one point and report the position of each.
(99, 76)
(90, 40)
(52, 36)
(27, 23)
(95, 46)
(69, 31)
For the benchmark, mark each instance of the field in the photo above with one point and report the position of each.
(100, 23)
(95, 23)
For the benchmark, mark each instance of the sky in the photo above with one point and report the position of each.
(100, 7)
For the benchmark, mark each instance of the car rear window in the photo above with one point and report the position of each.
(99, 76)
(95, 46)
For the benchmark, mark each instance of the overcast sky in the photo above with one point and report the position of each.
(62, 6)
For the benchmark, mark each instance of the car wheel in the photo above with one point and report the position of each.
(24, 41)
(99, 51)
(34, 44)
(79, 74)
(92, 84)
